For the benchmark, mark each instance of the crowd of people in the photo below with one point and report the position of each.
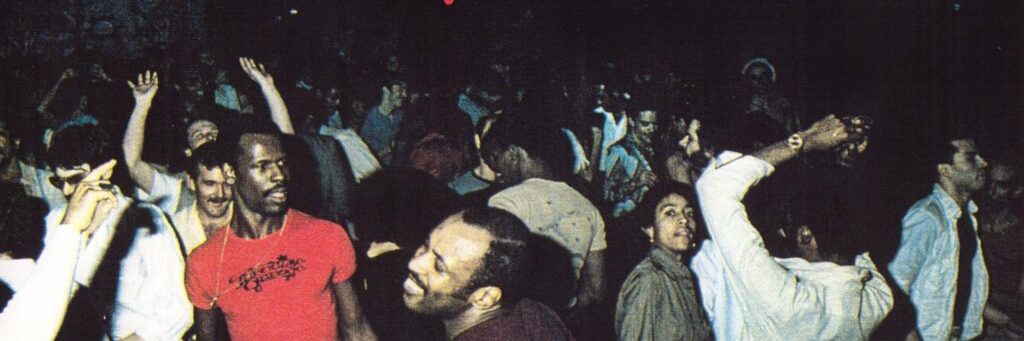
(282, 206)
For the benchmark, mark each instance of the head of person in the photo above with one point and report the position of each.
(8, 143)
(21, 235)
(208, 170)
(73, 154)
(473, 260)
(760, 72)
(259, 167)
(437, 155)
(961, 169)
(400, 205)
(517, 151)
(1004, 185)
(200, 131)
(399, 93)
(642, 125)
(670, 217)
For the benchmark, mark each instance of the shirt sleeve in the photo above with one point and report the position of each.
(738, 244)
(918, 234)
(36, 312)
(344, 255)
(165, 192)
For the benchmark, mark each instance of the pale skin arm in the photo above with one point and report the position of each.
(354, 325)
(591, 280)
(143, 91)
(278, 111)
(206, 320)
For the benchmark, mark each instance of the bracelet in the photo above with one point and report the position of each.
(796, 143)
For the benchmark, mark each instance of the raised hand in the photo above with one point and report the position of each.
(92, 200)
(256, 71)
(146, 87)
(830, 132)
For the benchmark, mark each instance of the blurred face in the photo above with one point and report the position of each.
(332, 98)
(67, 179)
(398, 95)
(200, 132)
(7, 145)
(1002, 185)
(968, 171)
(644, 124)
(213, 191)
(443, 266)
(262, 175)
(674, 224)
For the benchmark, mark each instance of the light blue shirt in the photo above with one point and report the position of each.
(378, 131)
(925, 267)
(475, 111)
(749, 295)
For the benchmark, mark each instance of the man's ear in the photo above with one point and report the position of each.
(486, 298)
(188, 152)
(649, 231)
(229, 173)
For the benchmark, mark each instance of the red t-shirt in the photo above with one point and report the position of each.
(274, 292)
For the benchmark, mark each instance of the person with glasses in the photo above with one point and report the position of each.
(133, 277)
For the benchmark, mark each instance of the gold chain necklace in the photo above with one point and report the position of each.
(220, 262)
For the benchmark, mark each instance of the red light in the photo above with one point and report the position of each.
(449, 2)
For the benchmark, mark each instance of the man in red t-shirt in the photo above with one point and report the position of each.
(276, 274)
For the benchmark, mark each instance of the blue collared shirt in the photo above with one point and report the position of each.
(925, 267)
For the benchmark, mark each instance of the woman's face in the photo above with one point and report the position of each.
(674, 224)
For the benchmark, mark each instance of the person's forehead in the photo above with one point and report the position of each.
(647, 116)
(68, 172)
(210, 173)
(256, 145)
(673, 199)
(201, 126)
(460, 244)
(965, 145)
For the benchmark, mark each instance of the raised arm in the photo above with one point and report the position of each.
(278, 111)
(134, 137)
(354, 323)
(721, 190)
(44, 106)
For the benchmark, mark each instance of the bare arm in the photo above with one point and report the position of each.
(206, 320)
(134, 137)
(44, 106)
(354, 323)
(592, 285)
(823, 135)
(278, 111)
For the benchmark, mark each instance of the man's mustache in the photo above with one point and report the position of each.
(275, 188)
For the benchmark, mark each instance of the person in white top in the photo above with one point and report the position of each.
(36, 311)
(199, 205)
(747, 293)
(137, 282)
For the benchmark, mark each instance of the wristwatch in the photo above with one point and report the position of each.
(796, 143)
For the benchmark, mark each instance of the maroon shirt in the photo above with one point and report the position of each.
(527, 320)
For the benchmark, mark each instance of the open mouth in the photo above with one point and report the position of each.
(412, 286)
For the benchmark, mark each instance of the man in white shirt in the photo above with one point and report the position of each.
(747, 293)
(199, 205)
(133, 270)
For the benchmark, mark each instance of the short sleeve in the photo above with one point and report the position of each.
(198, 293)
(599, 241)
(165, 192)
(344, 257)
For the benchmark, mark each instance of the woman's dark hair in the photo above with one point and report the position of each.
(400, 205)
(647, 211)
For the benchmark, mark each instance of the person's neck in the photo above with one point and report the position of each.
(468, 319)
(249, 224)
(961, 197)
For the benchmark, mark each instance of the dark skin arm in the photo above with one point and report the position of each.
(206, 320)
(354, 325)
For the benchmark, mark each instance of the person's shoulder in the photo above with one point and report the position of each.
(208, 249)
(298, 220)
